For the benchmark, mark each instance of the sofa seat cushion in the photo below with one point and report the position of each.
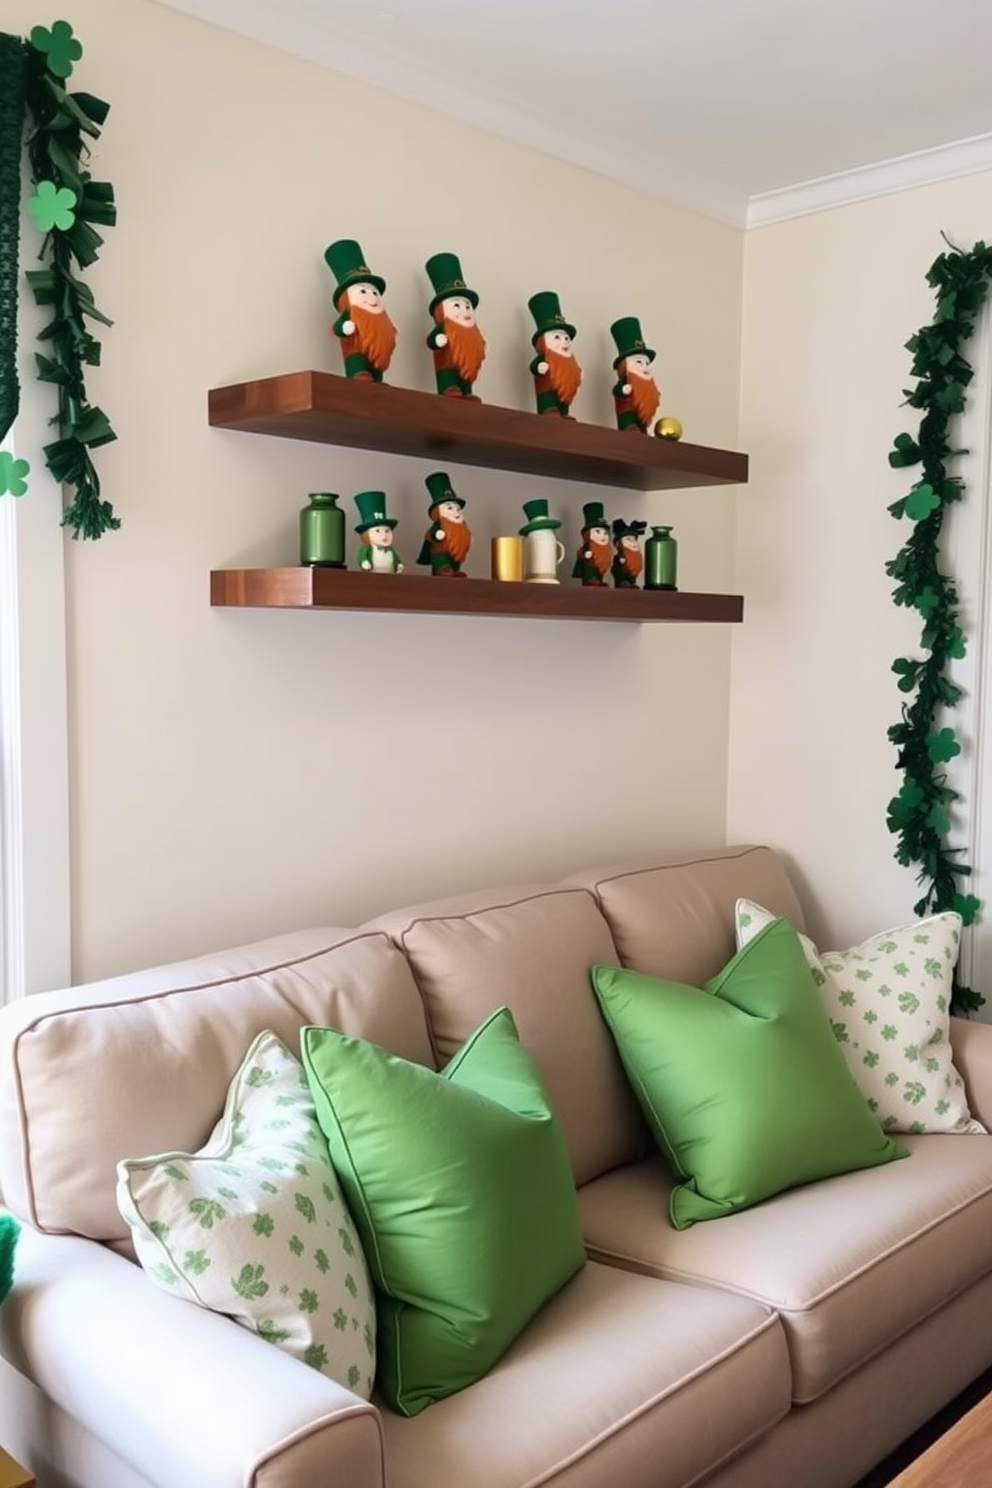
(850, 1263)
(529, 949)
(619, 1379)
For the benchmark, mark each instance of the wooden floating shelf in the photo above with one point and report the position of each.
(307, 588)
(331, 409)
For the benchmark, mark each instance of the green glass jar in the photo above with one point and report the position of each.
(661, 559)
(322, 531)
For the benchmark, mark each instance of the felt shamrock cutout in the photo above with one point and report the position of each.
(943, 746)
(60, 47)
(51, 206)
(13, 474)
(921, 501)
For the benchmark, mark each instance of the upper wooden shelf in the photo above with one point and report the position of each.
(331, 409)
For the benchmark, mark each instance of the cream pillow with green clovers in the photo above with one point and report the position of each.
(254, 1224)
(888, 1001)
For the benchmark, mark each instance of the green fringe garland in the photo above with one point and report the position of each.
(11, 129)
(919, 815)
(68, 206)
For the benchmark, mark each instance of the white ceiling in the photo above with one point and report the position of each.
(747, 110)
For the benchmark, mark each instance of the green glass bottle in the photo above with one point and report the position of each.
(322, 531)
(661, 559)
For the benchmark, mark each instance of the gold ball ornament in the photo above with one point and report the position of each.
(668, 428)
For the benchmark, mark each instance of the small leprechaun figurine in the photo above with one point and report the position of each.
(457, 344)
(635, 392)
(592, 561)
(555, 371)
(365, 331)
(628, 560)
(376, 553)
(447, 540)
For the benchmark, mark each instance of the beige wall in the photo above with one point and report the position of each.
(239, 773)
(830, 301)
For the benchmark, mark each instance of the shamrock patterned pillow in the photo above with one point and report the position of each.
(888, 1001)
(254, 1225)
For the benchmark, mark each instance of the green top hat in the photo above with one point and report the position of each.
(372, 510)
(346, 262)
(628, 529)
(594, 516)
(445, 273)
(547, 315)
(537, 515)
(439, 485)
(626, 332)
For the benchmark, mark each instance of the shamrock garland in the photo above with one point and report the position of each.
(920, 814)
(65, 204)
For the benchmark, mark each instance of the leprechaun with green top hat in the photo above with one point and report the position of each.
(365, 331)
(592, 561)
(628, 560)
(555, 371)
(376, 553)
(447, 540)
(635, 393)
(455, 341)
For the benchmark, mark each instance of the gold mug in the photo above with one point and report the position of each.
(507, 555)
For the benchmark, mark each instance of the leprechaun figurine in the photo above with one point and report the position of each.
(628, 560)
(376, 553)
(555, 371)
(447, 540)
(456, 343)
(592, 561)
(635, 393)
(365, 331)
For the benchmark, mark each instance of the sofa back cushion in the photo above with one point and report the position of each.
(529, 949)
(674, 917)
(141, 1064)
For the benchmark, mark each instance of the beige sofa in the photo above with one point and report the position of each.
(794, 1343)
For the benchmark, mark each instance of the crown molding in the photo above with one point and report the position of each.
(299, 33)
(289, 30)
(924, 168)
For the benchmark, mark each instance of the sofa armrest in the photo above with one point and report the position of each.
(182, 1394)
(971, 1043)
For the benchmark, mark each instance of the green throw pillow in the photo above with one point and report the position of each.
(462, 1191)
(254, 1225)
(743, 1084)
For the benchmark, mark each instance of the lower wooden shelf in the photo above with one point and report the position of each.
(307, 588)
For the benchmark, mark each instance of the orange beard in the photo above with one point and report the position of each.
(564, 373)
(633, 559)
(375, 335)
(600, 555)
(466, 346)
(457, 538)
(645, 397)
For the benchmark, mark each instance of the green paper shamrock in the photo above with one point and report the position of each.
(52, 207)
(60, 47)
(921, 501)
(13, 474)
(942, 746)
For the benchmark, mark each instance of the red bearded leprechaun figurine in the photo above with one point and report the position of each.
(635, 393)
(447, 540)
(555, 371)
(592, 561)
(365, 331)
(457, 344)
(628, 560)
(376, 553)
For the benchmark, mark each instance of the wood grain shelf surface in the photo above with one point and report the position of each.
(344, 589)
(331, 409)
